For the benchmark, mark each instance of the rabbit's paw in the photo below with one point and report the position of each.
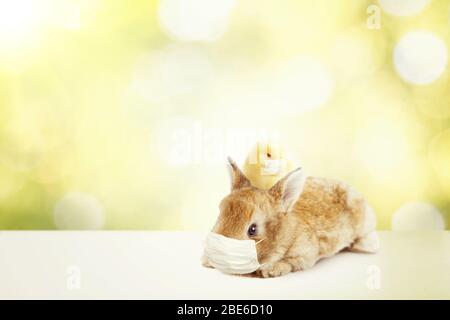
(276, 269)
(206, 263)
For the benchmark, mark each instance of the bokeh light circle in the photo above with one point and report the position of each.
(79, 211)
(303, 84)
(420, 57)
(171, 72)
(195, 20)
(19, 23)
(417, 216)
(403, 7)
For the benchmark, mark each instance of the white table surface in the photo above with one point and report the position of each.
(165, 265)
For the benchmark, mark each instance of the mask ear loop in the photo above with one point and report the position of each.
(255, 246)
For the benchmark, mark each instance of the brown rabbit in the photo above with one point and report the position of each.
(301, 219)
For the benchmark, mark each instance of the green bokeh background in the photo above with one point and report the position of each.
(76, 116)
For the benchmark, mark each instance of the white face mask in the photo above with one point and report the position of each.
(231, 255)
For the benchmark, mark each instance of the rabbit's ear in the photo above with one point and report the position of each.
(238, 180)
(287, 191)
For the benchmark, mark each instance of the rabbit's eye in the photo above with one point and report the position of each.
(252, 230)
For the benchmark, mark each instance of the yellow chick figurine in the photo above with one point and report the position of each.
(266, 164)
